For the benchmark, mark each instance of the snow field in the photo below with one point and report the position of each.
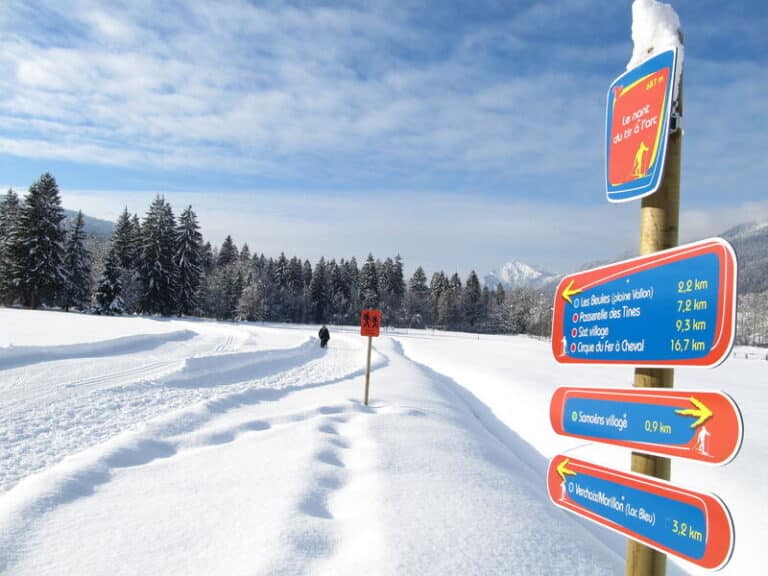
(515, 377)
(245, 449)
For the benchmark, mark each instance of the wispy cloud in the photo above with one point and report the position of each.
(343, 86)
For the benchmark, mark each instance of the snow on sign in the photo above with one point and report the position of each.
(694, 526)
(698, 425)
(674, 307)
(637, 123)
(370, 322)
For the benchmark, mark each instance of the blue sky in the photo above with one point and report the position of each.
(459, 134)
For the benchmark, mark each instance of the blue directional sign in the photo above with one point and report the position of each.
(674, 307)
(691, 525)
(696, 424)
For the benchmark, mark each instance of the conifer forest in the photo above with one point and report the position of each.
(160, 264)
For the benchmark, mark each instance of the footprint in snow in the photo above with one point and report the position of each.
(328, 429)
(329, 457)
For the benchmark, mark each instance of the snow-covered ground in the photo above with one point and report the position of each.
(140, 446)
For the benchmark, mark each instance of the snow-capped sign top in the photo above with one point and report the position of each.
(655, 28)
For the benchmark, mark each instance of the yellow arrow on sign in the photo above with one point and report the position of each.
(570, 291)
(563, 469)
(701, 412)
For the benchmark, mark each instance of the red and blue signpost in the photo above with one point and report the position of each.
(670, 307)
(674, 307)
(637, 123)
(697, 425)
(668, 518)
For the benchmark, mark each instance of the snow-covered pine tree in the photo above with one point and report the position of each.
(418, 308)
(37, 246)
(306, 271)
(245, 256)
(251, 304)
(187, 259)
(397, 289)
(352, 274)
(228, 252)
(335, 292)
(437, 286)
(449, 304)
(126, 244)
(157, 269)
(281, 271)
(486, 303)
(369, 284)
(109, 290)
(295, 290)
(207, 260)
(77, 265)
(518, 310)
(235, 282)
(280, 304)
(9, 211)
(306, 301)
(318, 290)
(386, 289)
(499, 295)
(136, 227)
(471, 301)
(125, 241)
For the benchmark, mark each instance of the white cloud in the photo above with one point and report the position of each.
(278, 84)
(438, 231)
(359, 98)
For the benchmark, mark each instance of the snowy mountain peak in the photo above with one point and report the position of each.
(746, 231)
(516, 274)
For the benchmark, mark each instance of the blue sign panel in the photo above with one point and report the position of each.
(672, 307)
(700, 425)
(608, 419)
(669, 518)
(653, 516)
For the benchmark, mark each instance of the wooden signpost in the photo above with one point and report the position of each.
(370, 323)
(669, 307)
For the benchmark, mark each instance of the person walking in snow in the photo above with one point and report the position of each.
(324, 336)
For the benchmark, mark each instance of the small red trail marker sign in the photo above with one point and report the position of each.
(370, 322)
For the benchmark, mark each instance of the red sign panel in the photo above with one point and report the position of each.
(370, 322)
(637, 121)
(694, 526)
(699, 425)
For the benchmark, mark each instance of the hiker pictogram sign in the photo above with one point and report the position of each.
(370, 322)
(637, 124)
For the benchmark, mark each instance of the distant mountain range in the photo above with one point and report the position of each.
(750, 242)
(516, 274)
(101, 229)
